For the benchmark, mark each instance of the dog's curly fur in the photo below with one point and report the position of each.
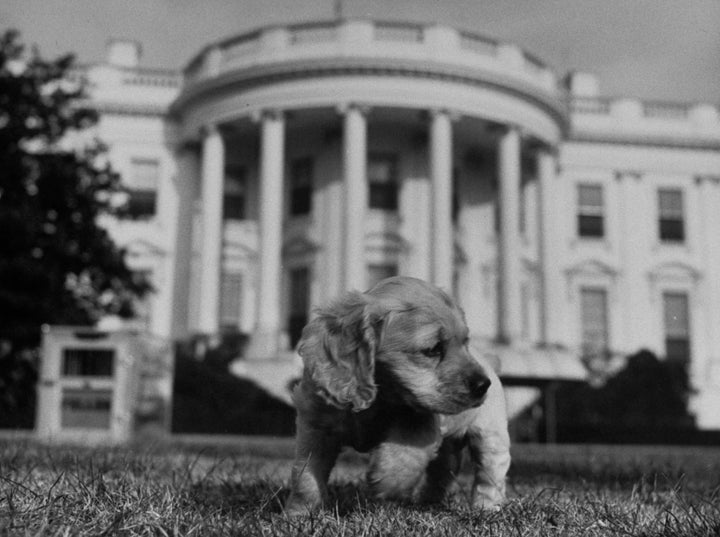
(390, 371)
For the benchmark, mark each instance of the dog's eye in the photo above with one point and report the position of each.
(435, 351)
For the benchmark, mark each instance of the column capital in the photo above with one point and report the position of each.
(344, 108)
(501, 129)
(451, 114)
(208, 129)
(258, 116)
(540, 147)
(187, 145)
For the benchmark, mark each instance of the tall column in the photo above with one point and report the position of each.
(509, 237)
(705, 366)
(212, 178)
(266, 339)
(356, 196)
(182, 198)
(442, 227)
(551, 285)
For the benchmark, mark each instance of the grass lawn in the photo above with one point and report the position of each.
(237, 488)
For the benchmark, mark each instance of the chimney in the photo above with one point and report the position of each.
(123, 53)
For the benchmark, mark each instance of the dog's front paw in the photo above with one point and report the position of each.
(487, 498)
(297, 504)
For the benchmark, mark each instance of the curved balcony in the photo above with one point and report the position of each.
(325, 49)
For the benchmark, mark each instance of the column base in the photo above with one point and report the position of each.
(267, 344)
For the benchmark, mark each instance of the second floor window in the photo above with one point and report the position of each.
(590, 216)
(671, 221)
(142, 185)
(301, 185)
(383, 181)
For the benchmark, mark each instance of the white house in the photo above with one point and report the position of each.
(290, 163)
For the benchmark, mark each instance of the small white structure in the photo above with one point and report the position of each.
(98, 386)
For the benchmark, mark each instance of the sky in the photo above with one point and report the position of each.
(652, 49)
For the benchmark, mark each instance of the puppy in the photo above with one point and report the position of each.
(390, 372)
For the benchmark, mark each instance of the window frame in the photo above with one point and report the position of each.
(672, 227)
(142, 197)
(301, 186)
(235, 193)
(384, 195)
(588, 347)
(590, 217)
(677, 340)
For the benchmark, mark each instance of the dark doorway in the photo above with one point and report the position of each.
(299, 303)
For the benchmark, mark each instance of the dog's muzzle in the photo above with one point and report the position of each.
(478, 385)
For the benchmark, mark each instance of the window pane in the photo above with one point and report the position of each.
(234, 206)
(88, 362)
(672, 229)
(141, 204)
(383, 197)
(381, 169)
(301, 181)
(591, 226)
(234, 193)
(677, 326)
(671, 218)
(676, 315)
(230, 299)
(377, 273)
(145, 174)
(670, 202)
(677, 349)
(299, 303)
(593, 316)
(590, 197)
(590, 211)
(85, 408)
(382, 178)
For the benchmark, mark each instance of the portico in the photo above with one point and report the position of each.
(275, 227)
(388, 164)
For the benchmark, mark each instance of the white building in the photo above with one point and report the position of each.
(291, 163)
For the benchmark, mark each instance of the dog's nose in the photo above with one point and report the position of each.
(479, 385)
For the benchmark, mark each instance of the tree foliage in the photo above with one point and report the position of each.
(57, 264)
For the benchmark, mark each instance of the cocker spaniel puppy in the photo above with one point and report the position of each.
(389, 371)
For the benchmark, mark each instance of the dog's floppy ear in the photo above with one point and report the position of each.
(338, 349)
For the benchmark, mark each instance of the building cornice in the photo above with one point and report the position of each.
(261, 75)
(126, 109)
(646, 139)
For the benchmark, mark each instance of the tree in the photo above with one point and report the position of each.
(57, 264)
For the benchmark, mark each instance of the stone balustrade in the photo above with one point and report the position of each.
(635, 109)
(368, 39)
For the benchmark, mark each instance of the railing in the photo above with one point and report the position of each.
(367, 39)
(406, 33)
(662, 111)
(316, 33)
(590, 105)
(152, 77)
(478, 44)
(241, 46)
(665, 110)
